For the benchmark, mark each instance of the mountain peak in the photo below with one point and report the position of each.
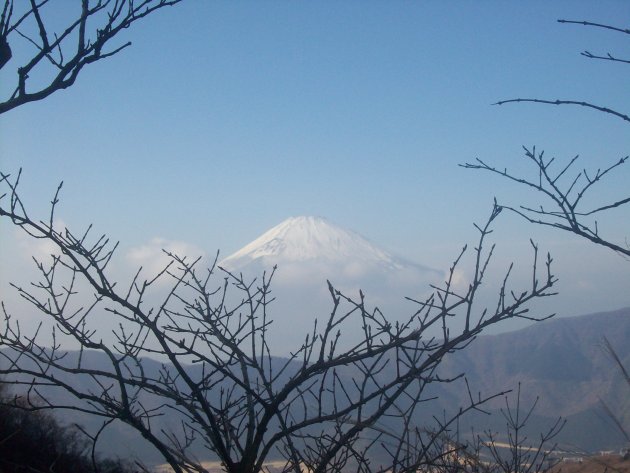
(307, 238)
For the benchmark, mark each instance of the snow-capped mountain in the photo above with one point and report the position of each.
(313, 240)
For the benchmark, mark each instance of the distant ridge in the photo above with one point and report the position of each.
(560, 361)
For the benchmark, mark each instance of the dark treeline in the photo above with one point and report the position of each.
(34, 441)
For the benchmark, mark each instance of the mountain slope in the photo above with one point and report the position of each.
(562, 363)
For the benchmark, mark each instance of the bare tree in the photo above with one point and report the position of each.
(520, 453)
(325, 407)
(565, 193)
(59, 56)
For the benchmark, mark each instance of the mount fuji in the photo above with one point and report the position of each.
(308, 240)
(308, 251)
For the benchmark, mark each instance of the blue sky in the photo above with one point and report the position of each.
(225, 118)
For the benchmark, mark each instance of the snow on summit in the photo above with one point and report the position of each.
(310, 238)
(313, 240)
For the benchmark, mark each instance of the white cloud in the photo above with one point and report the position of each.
(153, 259)
(460, 281)
(39, 248)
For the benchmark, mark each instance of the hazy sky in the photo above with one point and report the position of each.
(225, 118)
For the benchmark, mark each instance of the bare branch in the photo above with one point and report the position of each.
(569, 102)
(89, 46)
(566, 211)
(598, 25)
(607, 57)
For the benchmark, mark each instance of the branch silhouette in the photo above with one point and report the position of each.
(326, 407)
(60, 55)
